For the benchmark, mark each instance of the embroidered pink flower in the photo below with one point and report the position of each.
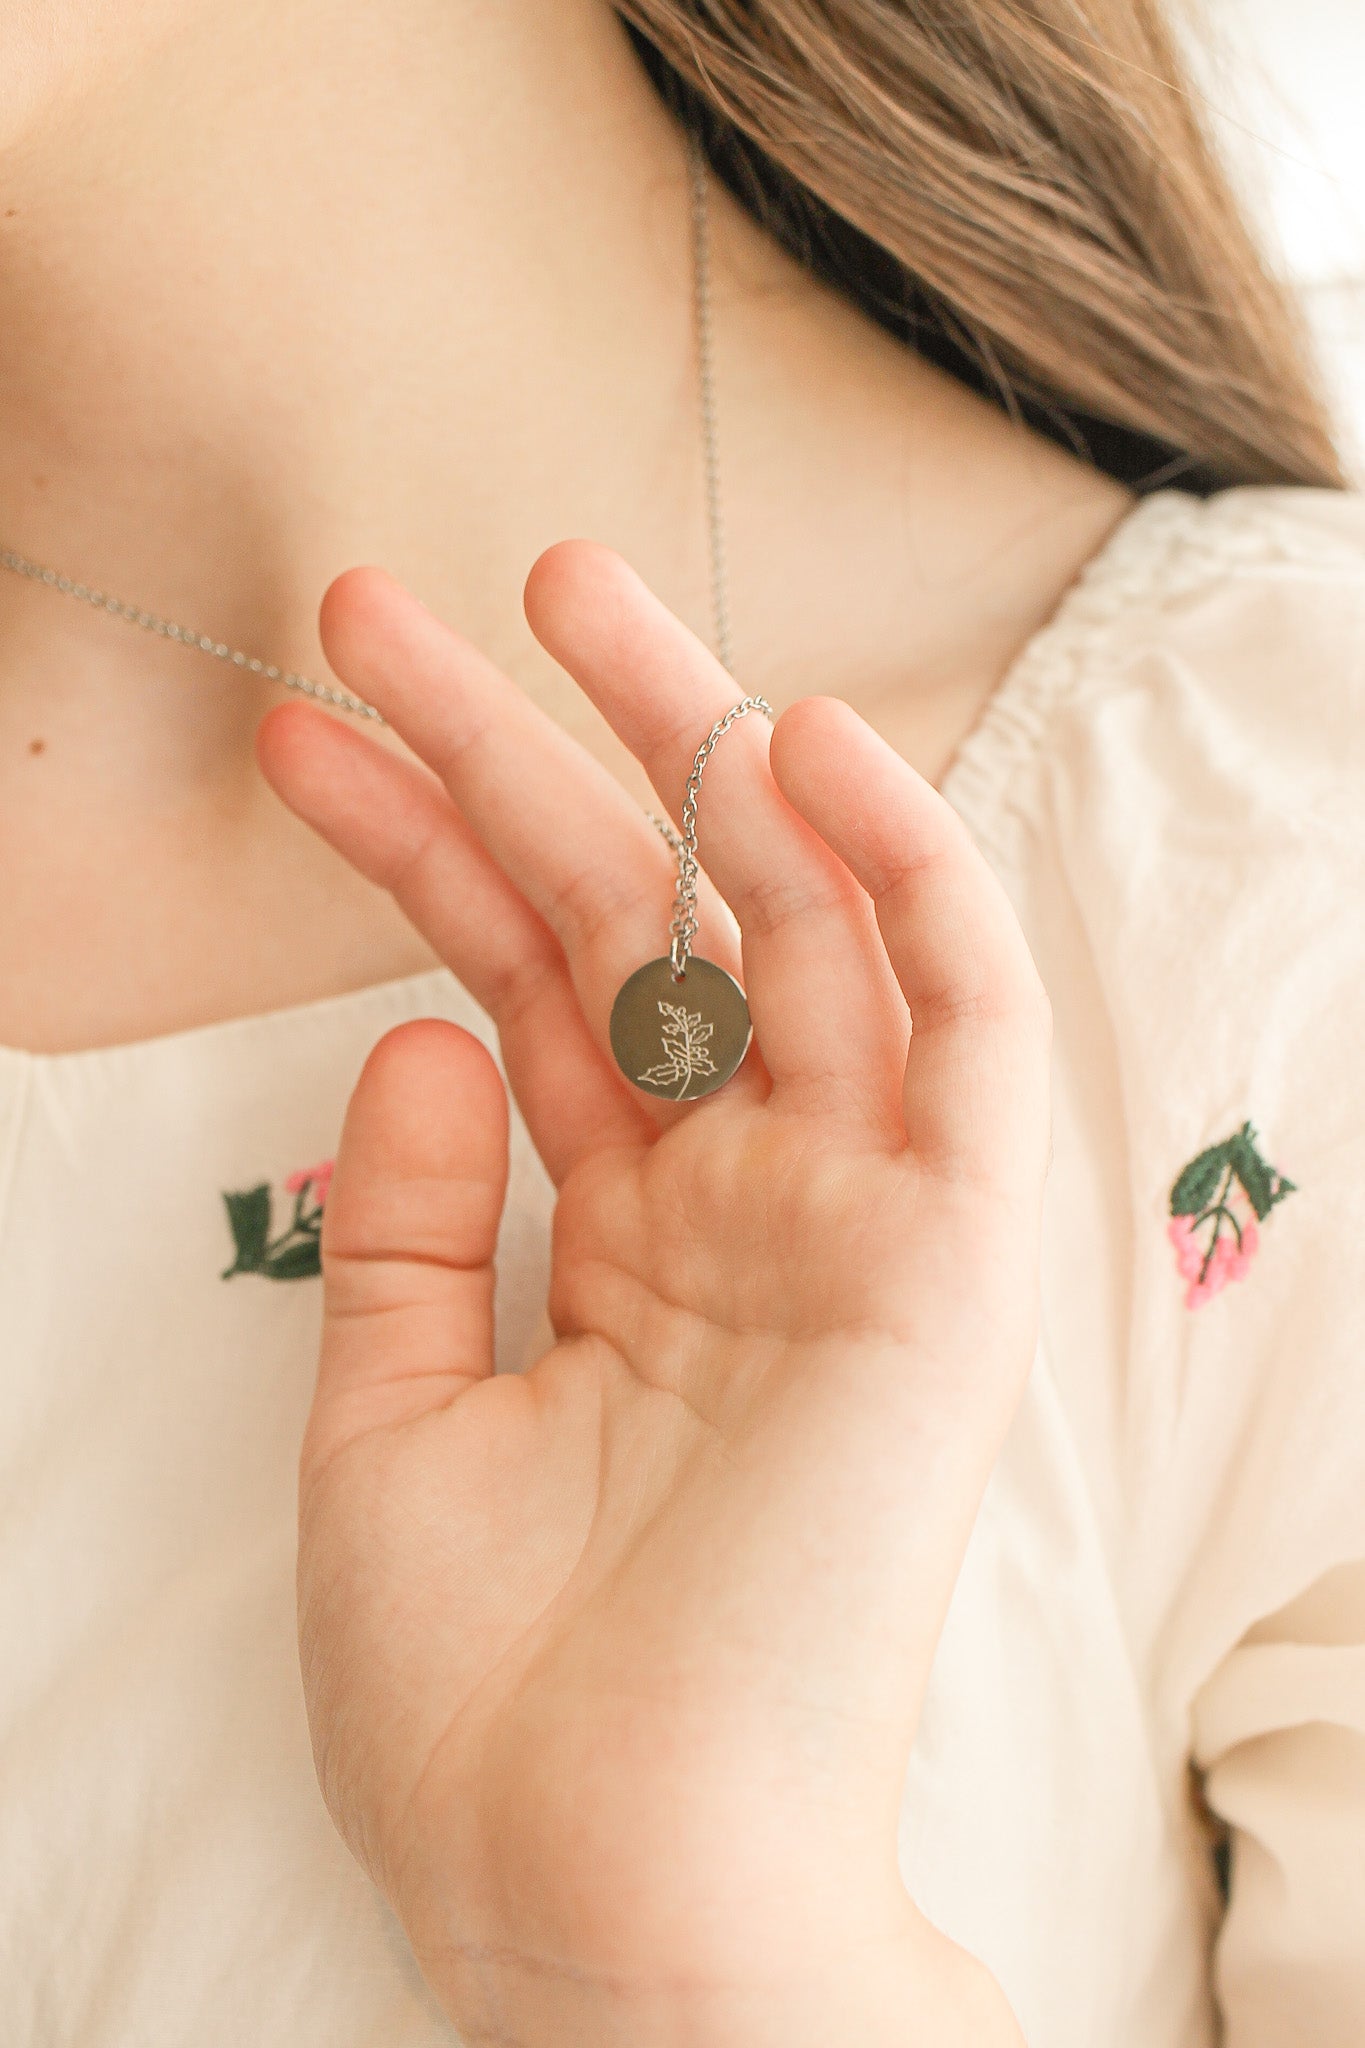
(1209, 1267)
(318, 1177)
(1217, 1201)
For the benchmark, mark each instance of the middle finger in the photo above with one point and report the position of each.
(828, 1013)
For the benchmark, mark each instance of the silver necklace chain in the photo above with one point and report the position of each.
(683, 929)
(167, 629)
(346, 700)
(706, 392)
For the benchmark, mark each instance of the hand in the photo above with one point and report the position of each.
(613, 1669)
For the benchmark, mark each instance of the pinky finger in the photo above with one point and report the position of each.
(976, 1083)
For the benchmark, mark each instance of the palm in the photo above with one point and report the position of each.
(688, 1571)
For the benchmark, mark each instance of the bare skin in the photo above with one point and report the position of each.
(415, 291)
(417, 295)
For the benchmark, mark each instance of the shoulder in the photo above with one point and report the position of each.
(1213, 698)
(1212, 652)
(1188, 733)
(1195, 792)
(1176, 562)
(1237, 624)
(1209, 661)
(1185, 820)
(1202, 700)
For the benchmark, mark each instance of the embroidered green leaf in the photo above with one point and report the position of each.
(249, 1217)
(297, 1260)
(1197, 1183)
(1264, 1187)
(293, 1254)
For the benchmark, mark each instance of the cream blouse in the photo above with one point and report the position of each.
(1154, 1665)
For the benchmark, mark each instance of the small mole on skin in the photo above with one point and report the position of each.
(10, 212)
(36, 746)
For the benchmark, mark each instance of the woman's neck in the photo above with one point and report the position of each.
(282, 289)
(316, 284)
(285, 288)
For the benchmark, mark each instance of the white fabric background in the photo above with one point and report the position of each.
(1288, 83)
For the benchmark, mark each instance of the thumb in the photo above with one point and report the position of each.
(408, 1237)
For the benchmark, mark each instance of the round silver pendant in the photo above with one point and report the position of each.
(680, 1039)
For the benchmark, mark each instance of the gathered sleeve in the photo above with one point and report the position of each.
(1279, 1735)
(1206, 786)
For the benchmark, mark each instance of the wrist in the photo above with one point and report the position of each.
(907, 1987)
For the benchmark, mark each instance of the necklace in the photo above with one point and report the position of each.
(680, 1025)
(345, 700)
(658, 1040)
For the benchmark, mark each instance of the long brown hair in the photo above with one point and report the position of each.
(1024, 189)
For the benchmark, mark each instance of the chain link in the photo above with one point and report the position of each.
(167, 629)
(683, 929)
(345, 700)
(710, 420)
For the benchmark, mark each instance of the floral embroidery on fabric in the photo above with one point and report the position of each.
(1217, 1202)
(293, 1253)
